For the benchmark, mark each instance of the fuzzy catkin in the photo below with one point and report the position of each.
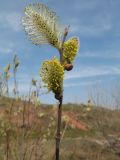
(52, 73)
(41, 25)
(70, 49)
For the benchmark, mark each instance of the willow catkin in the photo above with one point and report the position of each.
(52, 73)
(70, 49)
(41, 25)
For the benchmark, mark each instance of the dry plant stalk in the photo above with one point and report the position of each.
(16, 64)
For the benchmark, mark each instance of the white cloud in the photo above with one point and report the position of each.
(103, 54)
(86, 5)
(91, 29)
(91, 25)
(92, 71)
(10, 20)
(6, 46)
(5, 50)
(78, 84)
(23, 88)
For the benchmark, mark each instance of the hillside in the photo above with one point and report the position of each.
(88, 132)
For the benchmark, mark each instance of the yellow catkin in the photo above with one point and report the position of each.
(52, 73)
(70, 49)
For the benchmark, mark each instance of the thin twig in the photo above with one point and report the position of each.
(58, 135)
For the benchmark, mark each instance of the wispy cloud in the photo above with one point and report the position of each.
(91, 72)
(95, 28)
(23, 88)
(100, 54)
(86, 5)
(5, 50)
(97, 24)
(10, 20)
(78, 84)
(7, 46)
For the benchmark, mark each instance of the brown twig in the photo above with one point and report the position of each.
(58, 134)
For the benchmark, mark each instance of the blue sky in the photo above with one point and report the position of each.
(95, 22)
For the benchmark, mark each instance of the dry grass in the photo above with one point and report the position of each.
(35, 140)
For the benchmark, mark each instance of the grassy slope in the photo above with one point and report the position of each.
(100, 142)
